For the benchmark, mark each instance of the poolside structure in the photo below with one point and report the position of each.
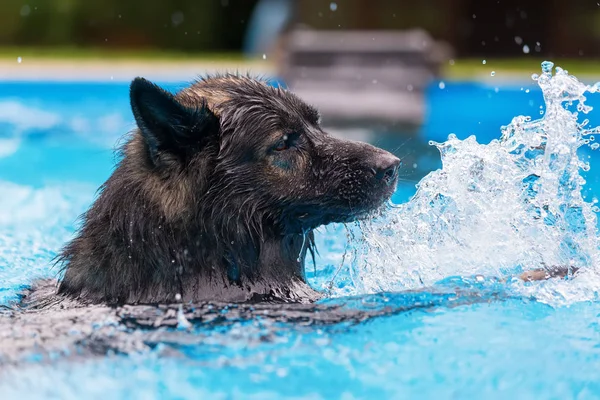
(361, 77)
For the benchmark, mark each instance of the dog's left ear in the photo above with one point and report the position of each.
(166, 124)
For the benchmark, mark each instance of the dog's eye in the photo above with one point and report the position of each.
(283, 144)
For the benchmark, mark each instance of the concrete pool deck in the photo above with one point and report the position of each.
(122, 70)
(185, 70)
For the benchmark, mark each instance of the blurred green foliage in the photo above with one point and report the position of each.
(474, 28)
(187, 25)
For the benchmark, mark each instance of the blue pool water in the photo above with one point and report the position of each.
(56, 148)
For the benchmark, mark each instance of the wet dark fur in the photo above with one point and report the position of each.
(216, 196)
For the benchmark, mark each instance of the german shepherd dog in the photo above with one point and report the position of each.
(216, 197)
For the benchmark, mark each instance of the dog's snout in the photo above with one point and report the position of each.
(386, 167)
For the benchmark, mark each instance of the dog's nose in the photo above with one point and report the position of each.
(386, 167)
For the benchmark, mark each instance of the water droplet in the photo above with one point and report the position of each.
(483, 62)
(547, 67)
(264, 56)
(442, 85)
(493, 73)
(25, 11)
(518, 40)
(451, 62)
(177, 18)
(526, 90)
(526, 49)
(19, 59)
(333, 6)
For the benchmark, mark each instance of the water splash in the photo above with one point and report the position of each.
(495, 210)
(182, 321)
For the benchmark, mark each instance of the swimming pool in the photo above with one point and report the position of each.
(543, 341)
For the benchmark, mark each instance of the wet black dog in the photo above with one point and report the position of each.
(216, 197)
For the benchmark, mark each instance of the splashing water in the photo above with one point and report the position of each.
(494, 210)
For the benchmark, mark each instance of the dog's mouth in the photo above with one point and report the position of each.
(311, 217)
(373, 203)
(375, 197)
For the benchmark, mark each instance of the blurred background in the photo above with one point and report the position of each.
(399, 74)
(551, 28)
(394, 73)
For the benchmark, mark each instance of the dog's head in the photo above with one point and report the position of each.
(258, 151)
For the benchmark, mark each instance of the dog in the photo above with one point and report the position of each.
(216, 196)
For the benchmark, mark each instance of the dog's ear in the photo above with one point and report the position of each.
(166, 124)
